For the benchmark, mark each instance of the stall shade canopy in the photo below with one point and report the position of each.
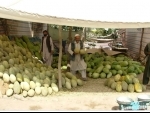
(82, 13)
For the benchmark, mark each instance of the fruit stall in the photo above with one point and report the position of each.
(22, 71)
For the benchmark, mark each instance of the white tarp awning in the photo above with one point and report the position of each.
(83, 13)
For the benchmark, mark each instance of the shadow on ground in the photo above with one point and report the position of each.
(115, 108)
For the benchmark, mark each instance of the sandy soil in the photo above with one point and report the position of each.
(93, 96)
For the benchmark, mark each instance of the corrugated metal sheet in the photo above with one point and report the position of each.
(19, 28)
(133, 39)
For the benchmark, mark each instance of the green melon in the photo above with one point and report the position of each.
(11, 86)
(118, 87)
(6, 77)
(99, 69)
(79, 82)
(69, 75)
(25, 93)
(31, 93)
(120, 72)
(82, 51)
(131, 88)
(110, 81)
(109, 75)
(114, 72)
(1, 74)
(113, 85)
(77, 50)
(128, 79)
(68, 85)
(105, 70)
(108, 66)
(38, 90)
(54, 87)
(50, 90)
(32, 85)
(9, 92)
(124, 86)
(73, 83)
(26, 86)
(90, 74)
(95, 75)
(5, 64)
(117, 67)
(103, 75)
(11, 61)
(44, 91)
(17, 87)
(117, 77)
(135, 80)
(2, 68)
(19, 77)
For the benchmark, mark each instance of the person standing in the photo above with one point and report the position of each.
(146, 74)
(77, 62)
(47, 48)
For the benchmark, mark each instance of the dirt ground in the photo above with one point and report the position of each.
(92, 96)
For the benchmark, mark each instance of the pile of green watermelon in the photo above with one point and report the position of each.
(121, 71)
(33, 47)
(63, 63)
(104, 66)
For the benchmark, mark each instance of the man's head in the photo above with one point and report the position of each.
(45, 32)
(77, 38)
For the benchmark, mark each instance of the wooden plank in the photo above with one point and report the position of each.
(60, 58)
(9, 22)
(110, 52)
(19, 26)
(19, 29)
(20, 34)
(16, 22)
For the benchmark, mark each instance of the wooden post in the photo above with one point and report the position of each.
(68, 42)
(70, 32)
(84, 33)
(141, 42)
(60, 57)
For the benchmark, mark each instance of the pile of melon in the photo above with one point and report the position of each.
(103, 66)
(26, 75)
(63, 62)
(33, 47)
(128, 83)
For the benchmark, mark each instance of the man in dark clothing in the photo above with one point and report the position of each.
(47, 48)
(147, 67)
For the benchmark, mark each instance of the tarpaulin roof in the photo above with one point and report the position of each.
(82, 13)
